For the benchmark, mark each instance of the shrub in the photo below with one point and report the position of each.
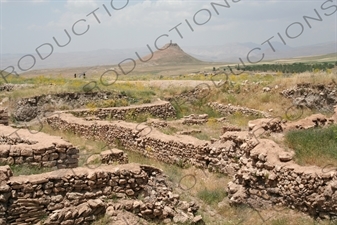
(281, 221)
(202, 136)
(132, 116)
(240, 119)
(212, 196)
(168, 130)
(146, 101)
(118, 143)
(92, 106)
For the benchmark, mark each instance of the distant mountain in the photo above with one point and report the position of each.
(232, 52)
(75, 59)
(172, 55)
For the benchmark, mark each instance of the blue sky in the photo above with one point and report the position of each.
(25, 25)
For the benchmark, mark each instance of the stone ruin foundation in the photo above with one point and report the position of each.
(27, 109)
(263, 173)
(4, 118)
(231, 109)
(81, 195)
(21, 146)
(160, 109)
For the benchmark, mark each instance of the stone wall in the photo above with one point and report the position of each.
(4, 118)
(263, 173)
(161, 109)
(230, 109)
(78, 196)
(195, 119)
(149, 142)
(268, 177)
(109, 157)
(37, 149)
(12, 87)
(227, 128)
(26, 109)
(181, 149)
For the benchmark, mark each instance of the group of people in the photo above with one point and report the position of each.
(82, 74)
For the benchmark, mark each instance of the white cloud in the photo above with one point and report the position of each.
(35, 27)
(156, 14)
(144, 14)
(75, 10)
(57, 11)
(141, 21)
(39, 1)
(81, 4)
(32, 1)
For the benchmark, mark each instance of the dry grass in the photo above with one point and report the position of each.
(104, 220)
(209, 130)
(201, 186)
(87, 147)
(207, 189)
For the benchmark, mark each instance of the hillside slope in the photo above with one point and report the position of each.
(171, 55)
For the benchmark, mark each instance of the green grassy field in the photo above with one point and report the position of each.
(314, 146)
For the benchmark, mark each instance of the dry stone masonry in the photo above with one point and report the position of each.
(84, 213)
(26, 109)
(4, 118)
(109, 157)
(227, 128)
(263, 173)
(230, 109)
(157, 123)
(189, 132)
(278, 125)
(161, 109)
(268, 177)
(79, 195)
(195, 119)
(149, 142)
(315, 120)
(37, 149)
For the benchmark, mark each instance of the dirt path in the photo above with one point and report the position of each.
(173, 83)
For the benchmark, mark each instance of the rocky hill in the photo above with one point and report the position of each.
(170, 55)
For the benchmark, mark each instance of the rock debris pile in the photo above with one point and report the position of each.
(316, 97)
